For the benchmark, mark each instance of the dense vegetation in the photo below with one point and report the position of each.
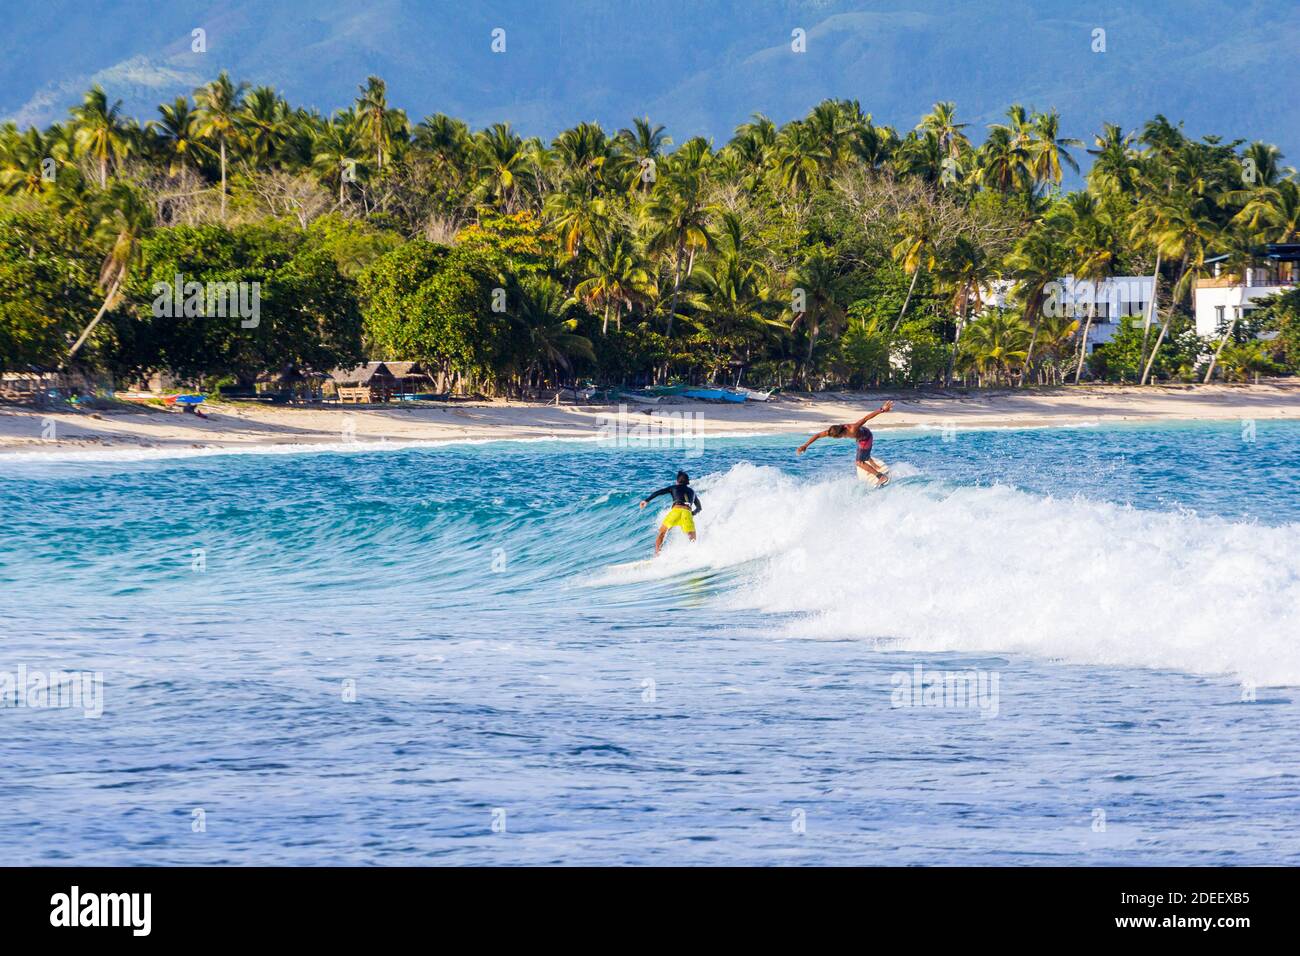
(829, 251)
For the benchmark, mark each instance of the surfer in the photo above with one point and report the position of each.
(868, 468)
(686, 505)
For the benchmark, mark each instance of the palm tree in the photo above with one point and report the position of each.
(752, 145)
(644, 143)
(734, 289)
(962, 268)
(101, 130)
(22, 160)
(1003, 161)
(995, 344)
(218, 118)
(379, 124)
(616, 277)
(337, 148)
(914, 251)
(125, 220)
(1036, 262)
(264, 122)
(799, 158)
(1093, 248)
(942, 121)
(579, 218)
(504, 166)
(1184, 234)
(552, 334)
(1273, 212)
(819, 279)
(1055, 333)
(1048, 149)
(175, 134)
(1115, 166)
(678, 222)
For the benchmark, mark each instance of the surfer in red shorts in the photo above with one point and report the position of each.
(868, 468)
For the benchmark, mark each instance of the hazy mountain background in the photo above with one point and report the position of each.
(700, 66)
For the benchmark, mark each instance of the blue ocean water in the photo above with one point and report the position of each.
(427, 655)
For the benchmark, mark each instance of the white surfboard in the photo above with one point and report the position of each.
(868, 477)
(631, 565)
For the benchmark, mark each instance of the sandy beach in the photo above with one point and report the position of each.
(244, 425)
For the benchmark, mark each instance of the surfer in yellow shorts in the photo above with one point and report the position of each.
(686, 505)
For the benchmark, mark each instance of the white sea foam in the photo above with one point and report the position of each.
(926, 567)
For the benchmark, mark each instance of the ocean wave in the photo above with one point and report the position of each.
(924, 566)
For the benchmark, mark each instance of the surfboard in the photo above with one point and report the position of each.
(864, 475)
(631, 565)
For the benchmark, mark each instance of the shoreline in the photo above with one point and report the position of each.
(239, 426)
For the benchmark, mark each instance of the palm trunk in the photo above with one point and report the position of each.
(223, 179)
(81, 339)
(1164, 327)
(677, 288)
(906, 299)
(1214, 359)
(1151, 310)
(1083, 345)
(1033, 338)
(956, 341)
(604, 327)
(103, 172)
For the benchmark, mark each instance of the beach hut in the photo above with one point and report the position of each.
(379, 381)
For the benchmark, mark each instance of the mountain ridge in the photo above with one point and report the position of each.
(698, 68)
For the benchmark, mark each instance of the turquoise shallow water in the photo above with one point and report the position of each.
(423, 655)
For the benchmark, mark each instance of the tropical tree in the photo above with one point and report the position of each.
(1036, 264)
(175, 135)
(817, 287)
(553, 341)
(504, 165)
(995, 344)
(102, 132)
(218, 119)
(616, 277)
(677, 222)
(942, 121)
(338, 154)
(127, 217)
(378, 124)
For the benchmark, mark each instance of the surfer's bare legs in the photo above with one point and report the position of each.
(880, 476)
(659, 541)
(691, 535)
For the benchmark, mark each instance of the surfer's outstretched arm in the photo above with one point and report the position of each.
(853, 428)
(804, 447)
(648, 498)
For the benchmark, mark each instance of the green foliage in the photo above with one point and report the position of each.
(822, 252)
(307, 314)
(47, 286)
(1281, 313)
(1122, 359)
(435, 304)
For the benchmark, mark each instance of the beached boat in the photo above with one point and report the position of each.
(713, 394)
(640, 398)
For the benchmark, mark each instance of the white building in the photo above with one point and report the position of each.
(1220, 298)
(1112, 300)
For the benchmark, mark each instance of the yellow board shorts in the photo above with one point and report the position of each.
(679, 518)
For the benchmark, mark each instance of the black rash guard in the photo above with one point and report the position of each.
(683, 497)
